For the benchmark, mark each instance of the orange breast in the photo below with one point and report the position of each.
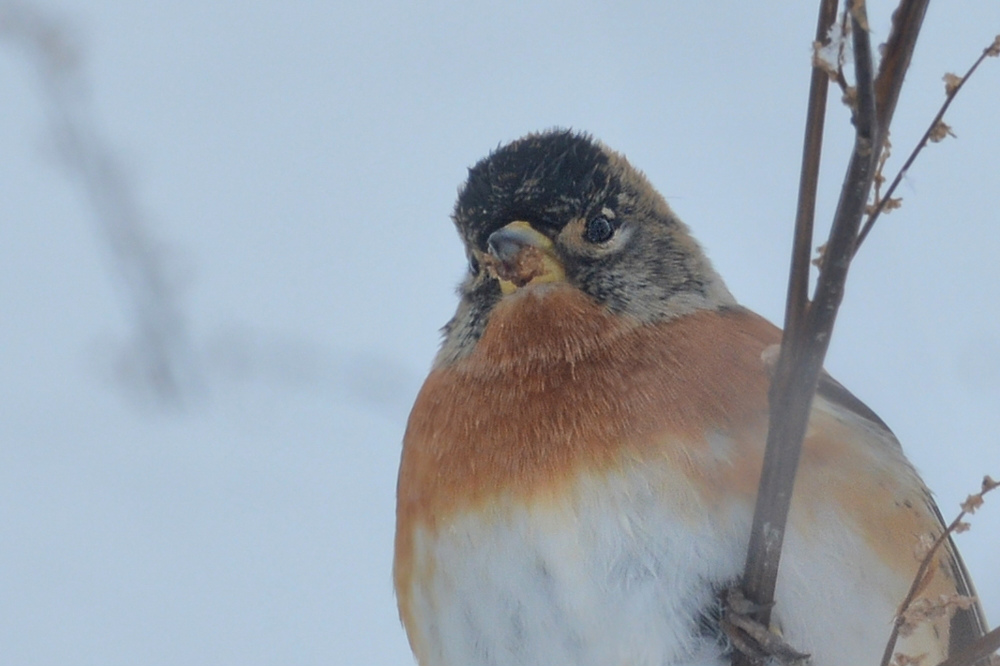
(558, 384)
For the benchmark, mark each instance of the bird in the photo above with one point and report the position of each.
(579, 469)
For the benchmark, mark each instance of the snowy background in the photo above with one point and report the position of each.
(291, 167)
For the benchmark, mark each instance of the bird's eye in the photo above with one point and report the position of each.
(599, 230)
(473, 265)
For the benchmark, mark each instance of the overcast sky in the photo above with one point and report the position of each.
(292, 166)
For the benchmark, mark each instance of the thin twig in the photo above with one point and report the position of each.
(812, 149)
(969, 506)
(950, 93)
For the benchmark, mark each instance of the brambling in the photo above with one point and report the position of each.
(579, 469)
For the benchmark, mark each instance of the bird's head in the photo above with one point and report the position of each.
(559, 210)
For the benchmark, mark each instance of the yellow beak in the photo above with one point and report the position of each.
(519, 256)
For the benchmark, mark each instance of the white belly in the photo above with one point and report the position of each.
(621, 572)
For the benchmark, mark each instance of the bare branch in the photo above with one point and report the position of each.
(952, 87)
(819, 85)
(807, 338)
(787, 414)
(969, 506)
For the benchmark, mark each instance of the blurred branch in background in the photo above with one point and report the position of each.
(160, 359)
(163, 360)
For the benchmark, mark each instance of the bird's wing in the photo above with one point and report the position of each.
(967, 625)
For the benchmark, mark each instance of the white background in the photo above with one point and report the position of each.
(296, 164)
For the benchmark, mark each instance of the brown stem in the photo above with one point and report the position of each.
(801, 357)
(819, 84)
(906, 23)
(802, 354)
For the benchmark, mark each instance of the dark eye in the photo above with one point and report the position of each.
(473, 265)
(599, 229)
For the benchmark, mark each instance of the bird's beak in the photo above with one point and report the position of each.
(519, 255)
